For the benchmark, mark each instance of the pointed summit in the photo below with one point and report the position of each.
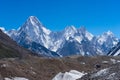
(69, 32)
(32, 17)
(70, 28)
(34, 31)
(33, 25)
(108, 33)
(33, 20)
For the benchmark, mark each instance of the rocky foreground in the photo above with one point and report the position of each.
(39, 68)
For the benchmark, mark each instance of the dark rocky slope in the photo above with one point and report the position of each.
(10, 49)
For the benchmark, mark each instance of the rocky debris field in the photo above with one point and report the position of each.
(39, 68)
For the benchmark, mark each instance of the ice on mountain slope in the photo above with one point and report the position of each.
(115, 51)
(69, 32)
(72, 75)
(89, 35)
(56, 45)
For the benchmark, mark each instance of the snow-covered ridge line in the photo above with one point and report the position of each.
(34, 31)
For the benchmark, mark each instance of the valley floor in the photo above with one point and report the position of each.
(39, 68)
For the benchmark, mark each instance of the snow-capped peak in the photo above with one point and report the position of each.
(70, 28)
(3, 29)
(89, 36)
(108, 33)
(69, 32)
(34, 20)
(107, 37)
(82, 28)
(33, 25)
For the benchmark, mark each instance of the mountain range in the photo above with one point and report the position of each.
(34, 36)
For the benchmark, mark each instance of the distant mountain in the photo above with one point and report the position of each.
(71, 41)
(34, 36)
(105, 42)
(10, 49)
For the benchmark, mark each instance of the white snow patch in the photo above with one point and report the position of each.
(72, 75)
(46, 30)
(118, 52)
(100, 73)
(88, 53)
(89, 35)
(56, 45)
(82, 53)
(105, 62)
(111, 76)
(36, 30)
(100, 52)
(3, 29)
(113, 61)
(109, 33)
(4, 65)
(16, 78)
(78, 38)
(118, 61)
(82, 62)
(115, 42)
(101, 39)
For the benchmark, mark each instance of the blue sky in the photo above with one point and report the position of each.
(97, 16)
